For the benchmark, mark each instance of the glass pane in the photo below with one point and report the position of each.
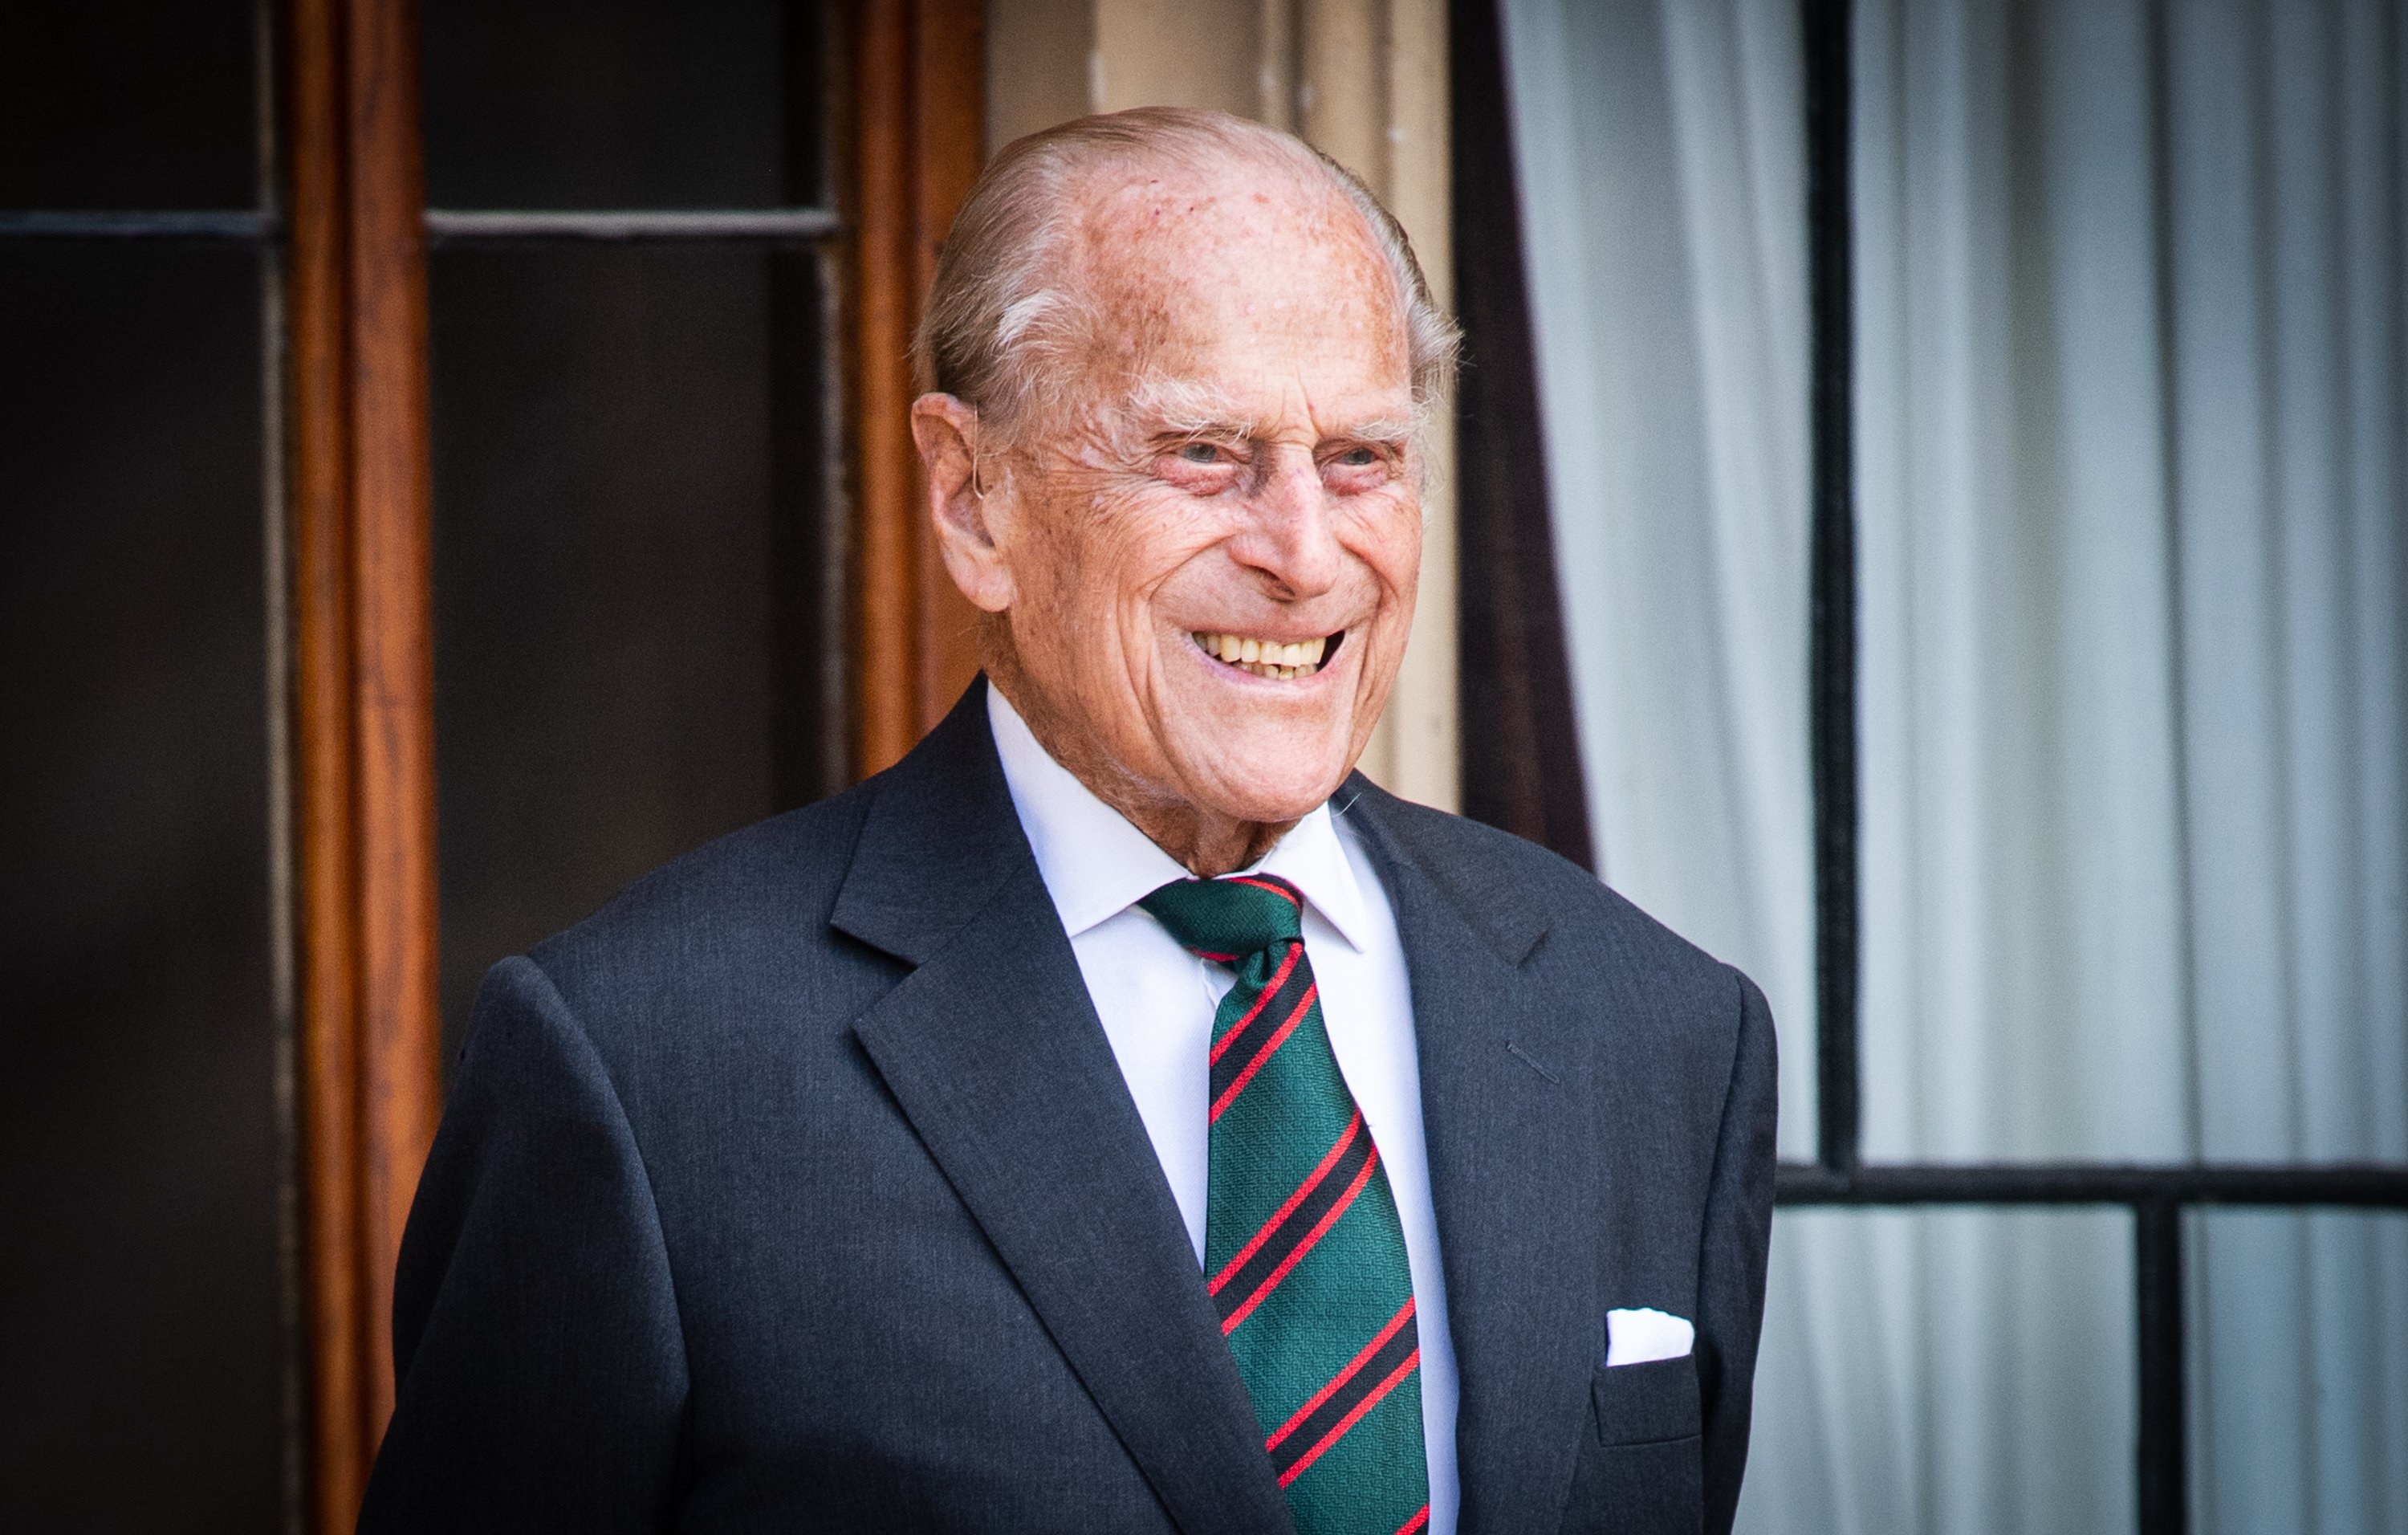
(139, 1168)
(1947, 1369)
(627, 583)
(128, 104)
(2298, 1372)
(558, 105)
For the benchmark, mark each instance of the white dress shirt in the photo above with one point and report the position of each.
(1157, 1000)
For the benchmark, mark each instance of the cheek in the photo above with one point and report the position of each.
(1144, 541)
(1388, 540)
(1099, 560)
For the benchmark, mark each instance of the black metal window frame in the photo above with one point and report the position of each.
(448, 227)
(2156, 1195)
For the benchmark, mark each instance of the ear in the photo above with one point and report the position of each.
(972, 525)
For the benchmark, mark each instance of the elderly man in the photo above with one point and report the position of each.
(1117, 1116)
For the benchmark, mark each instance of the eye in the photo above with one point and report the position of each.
(1200, 452)
(1359, 458)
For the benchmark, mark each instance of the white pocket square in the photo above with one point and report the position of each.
(1644, 1335)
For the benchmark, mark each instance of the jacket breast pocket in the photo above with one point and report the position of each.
(1640, 1470)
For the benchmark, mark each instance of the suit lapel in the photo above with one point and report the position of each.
(992, 1047)
(1509, 1114)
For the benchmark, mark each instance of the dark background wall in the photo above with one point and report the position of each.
(139, 1311)
(140, 1333)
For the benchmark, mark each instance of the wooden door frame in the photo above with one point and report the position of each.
(917, 110)
(368, 1073)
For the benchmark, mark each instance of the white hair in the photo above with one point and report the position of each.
(996, 331)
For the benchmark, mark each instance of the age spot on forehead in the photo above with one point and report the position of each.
(1255, 239)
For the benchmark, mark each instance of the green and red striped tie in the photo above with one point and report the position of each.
(1302, 1249)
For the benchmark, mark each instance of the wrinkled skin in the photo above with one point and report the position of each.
(1235, 454)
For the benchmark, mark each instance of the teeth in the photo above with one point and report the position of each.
(1283, 661)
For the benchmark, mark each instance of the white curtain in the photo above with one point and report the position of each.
(2134, 575)
(1656, 151)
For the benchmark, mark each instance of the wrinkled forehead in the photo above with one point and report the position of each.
(1245, 264)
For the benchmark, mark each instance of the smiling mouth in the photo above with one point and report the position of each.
(1281, 661)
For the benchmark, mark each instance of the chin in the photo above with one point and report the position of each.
(1271, 797)
(1263, 766)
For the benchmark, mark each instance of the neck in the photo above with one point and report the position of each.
(1205, 845)
(1204, 842)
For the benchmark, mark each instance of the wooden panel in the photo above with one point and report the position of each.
(1205, 53)
(393, 689)
(1419, 754)
(369, 1075)
(1038, 65)
(950, 96)
(917, 116)
(324, 928)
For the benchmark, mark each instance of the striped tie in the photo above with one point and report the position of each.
(1302, 1249)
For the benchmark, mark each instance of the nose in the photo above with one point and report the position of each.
(1290, 536)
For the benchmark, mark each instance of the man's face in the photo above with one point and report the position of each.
(1235, 458)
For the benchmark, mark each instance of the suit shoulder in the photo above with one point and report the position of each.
(769, 881)
(1500, 871)
(1462, 847)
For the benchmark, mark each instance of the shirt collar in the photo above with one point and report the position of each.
(1096, 865)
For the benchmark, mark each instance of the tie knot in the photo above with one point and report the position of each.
(1229, 918)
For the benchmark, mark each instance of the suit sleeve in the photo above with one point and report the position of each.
(1738, 1230)
(539, 1366)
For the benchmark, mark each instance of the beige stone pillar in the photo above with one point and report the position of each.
(1365, 80)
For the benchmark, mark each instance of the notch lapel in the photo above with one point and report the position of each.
(1509, 1118)
(992, 1047)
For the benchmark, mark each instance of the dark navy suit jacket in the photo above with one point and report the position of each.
(798, 1189)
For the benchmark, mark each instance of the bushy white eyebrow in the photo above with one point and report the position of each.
(1186, 408)
(1385, 429)
(1191, 407)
